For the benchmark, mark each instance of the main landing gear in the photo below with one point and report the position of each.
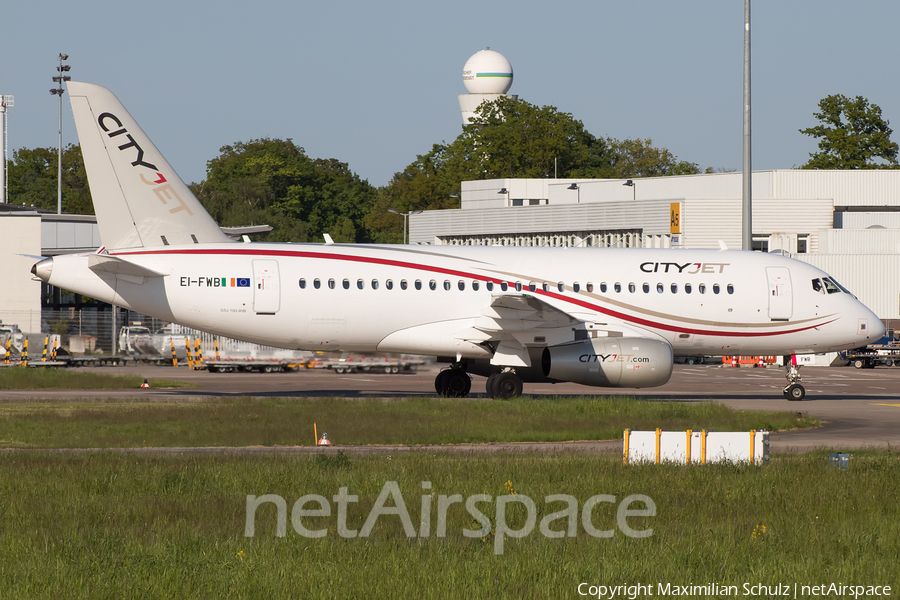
(453, 383)
(503, 385)
(793, 390)
(456, 383)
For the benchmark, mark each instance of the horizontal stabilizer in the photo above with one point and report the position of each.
(112, 264)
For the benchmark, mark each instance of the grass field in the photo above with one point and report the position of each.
(246, 422)
(112, 526)
(21, 378)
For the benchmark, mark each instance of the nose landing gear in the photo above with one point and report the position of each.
(793, 390)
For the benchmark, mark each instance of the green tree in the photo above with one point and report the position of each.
(639, 158)
(852, 135)
(33, 179)
(512, 138)
(274, 182)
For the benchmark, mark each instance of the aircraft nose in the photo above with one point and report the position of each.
(876, 328)
(43, 269)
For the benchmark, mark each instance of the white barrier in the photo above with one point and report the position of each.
(696, 447)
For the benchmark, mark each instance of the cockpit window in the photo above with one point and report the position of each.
(818, 286)
(831, 287)
(842, 288)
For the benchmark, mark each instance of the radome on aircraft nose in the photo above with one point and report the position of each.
(43, 269)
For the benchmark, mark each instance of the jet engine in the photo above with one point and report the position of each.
(610, 362)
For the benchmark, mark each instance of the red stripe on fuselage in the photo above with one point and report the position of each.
(452, 272)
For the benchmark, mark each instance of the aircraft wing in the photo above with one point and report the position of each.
(513, 321)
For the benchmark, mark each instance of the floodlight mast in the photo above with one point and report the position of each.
(5, 102)
(747, 202)
(59, 91)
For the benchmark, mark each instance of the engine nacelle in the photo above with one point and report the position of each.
(610, 362)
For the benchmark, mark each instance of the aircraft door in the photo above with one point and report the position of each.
(781, 302)
(266, 287)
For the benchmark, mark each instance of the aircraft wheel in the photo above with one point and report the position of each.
(439, 382)
(459, 384)
(489, 385)
(794, 392)
(453, 383)
(506, 385)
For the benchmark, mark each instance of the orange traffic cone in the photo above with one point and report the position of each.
(734, 361)
(761, 363)
(146, 384)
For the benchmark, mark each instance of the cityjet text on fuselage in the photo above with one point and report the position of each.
(691, 268)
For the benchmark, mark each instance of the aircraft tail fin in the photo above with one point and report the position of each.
(139, 199)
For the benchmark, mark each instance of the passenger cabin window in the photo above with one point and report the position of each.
(687, 288)
(302, 284)
(589, 286)
(715, 288)
(545, 286)
(518, 286)
(461, 285)
(646, 288)
(447, 285)
(674, 288)
(316, 283)
(730, 288)
(603, 287)
(375, 284)
(660, 288)
(346, 284)
(504, 286)
(532, 286)
(403, 284)
(576, 287)
(331, 284)
(475, 285)
(618, 287)
(360, 283)
(432, 285)
(631, 287)
(701, 288)
(389, 284)
(489, 285)
(418, 284)
(561, 286)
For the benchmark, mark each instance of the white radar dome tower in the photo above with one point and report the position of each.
(487, 76)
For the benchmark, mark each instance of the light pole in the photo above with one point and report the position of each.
(59, 91)
(506, 192)
(405, 216)
(630, 184)
(575, 187)
(5, 102)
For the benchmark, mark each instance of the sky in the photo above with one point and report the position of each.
(374, 84)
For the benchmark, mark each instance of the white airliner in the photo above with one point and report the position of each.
(598, 317)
